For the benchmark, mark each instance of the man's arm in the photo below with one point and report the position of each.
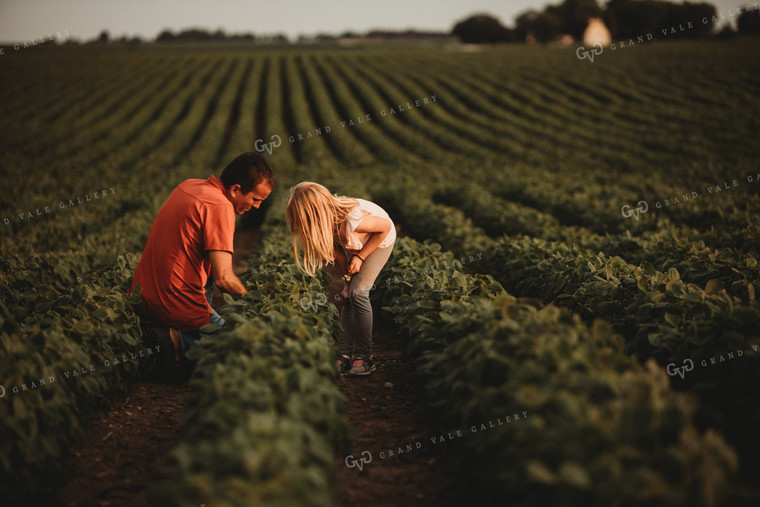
(224, 277)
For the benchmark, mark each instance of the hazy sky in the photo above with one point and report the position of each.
(31, 19)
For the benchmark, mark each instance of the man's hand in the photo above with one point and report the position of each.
(224, 277)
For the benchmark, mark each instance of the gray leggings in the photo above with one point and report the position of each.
(356, 316)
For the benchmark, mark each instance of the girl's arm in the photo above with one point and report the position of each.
(379, 228)
(340, 258)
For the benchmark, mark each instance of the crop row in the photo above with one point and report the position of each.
(65, 329)
(461, 124)
(266, 420)
(594, 427)
(164, 142)
(565, 109)
(664, 248)
(659, 313)
(502, 118)
(83, 100)
(632, 96)
(324, 113)
(389, 137)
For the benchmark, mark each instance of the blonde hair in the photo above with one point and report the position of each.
(315, 217)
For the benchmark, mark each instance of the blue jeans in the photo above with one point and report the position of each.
(188, 340)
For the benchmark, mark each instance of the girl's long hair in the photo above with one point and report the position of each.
(315, 217)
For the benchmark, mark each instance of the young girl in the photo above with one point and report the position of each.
(359, 236)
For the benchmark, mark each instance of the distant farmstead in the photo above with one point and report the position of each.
(596, 33)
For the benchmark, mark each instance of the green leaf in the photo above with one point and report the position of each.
(714, 286)
(84, 327)
(575, 475)
(539, 472)
(127, 339)
(673, 320)
(210, 328)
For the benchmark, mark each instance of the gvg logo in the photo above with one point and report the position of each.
(688, 365)
(582, 53)
(628, 212)
(352, 462)
(260, 145)
(312, 304)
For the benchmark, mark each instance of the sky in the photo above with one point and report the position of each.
(22, 20)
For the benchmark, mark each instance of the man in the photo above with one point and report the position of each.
(189, 249)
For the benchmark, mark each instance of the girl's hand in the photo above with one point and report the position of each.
(354, 264)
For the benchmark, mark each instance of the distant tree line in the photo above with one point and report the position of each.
(378, 35)
(200, 35)
(624, 18)
(627, 18)
(749, 22)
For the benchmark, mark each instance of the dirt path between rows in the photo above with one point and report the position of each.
(125, 450)
(387, 410)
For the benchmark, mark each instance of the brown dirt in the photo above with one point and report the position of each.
(387, 408)
(386, 418)
(125, 450)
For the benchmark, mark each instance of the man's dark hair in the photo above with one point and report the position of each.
(248, 170)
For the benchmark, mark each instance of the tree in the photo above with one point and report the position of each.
(481, 29)
(165, 36)
(627, 18)
(749, 22)
(727, 33)
(547, 26)
(571, 17)
(576, 14)
(524, 24)
(632, 18)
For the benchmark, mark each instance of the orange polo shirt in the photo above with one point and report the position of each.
(175, 265)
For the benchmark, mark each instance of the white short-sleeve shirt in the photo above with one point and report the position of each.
(357, 240)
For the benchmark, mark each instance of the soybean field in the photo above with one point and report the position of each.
(574, 286)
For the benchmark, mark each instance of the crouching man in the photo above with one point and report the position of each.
(189, 253)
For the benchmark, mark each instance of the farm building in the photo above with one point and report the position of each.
(596, 33)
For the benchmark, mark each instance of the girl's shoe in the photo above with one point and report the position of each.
(362, 366)
(344, 364)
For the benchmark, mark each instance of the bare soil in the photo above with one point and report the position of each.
(387, 408)
(125, 450)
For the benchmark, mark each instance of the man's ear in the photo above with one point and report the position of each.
(235, 189)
